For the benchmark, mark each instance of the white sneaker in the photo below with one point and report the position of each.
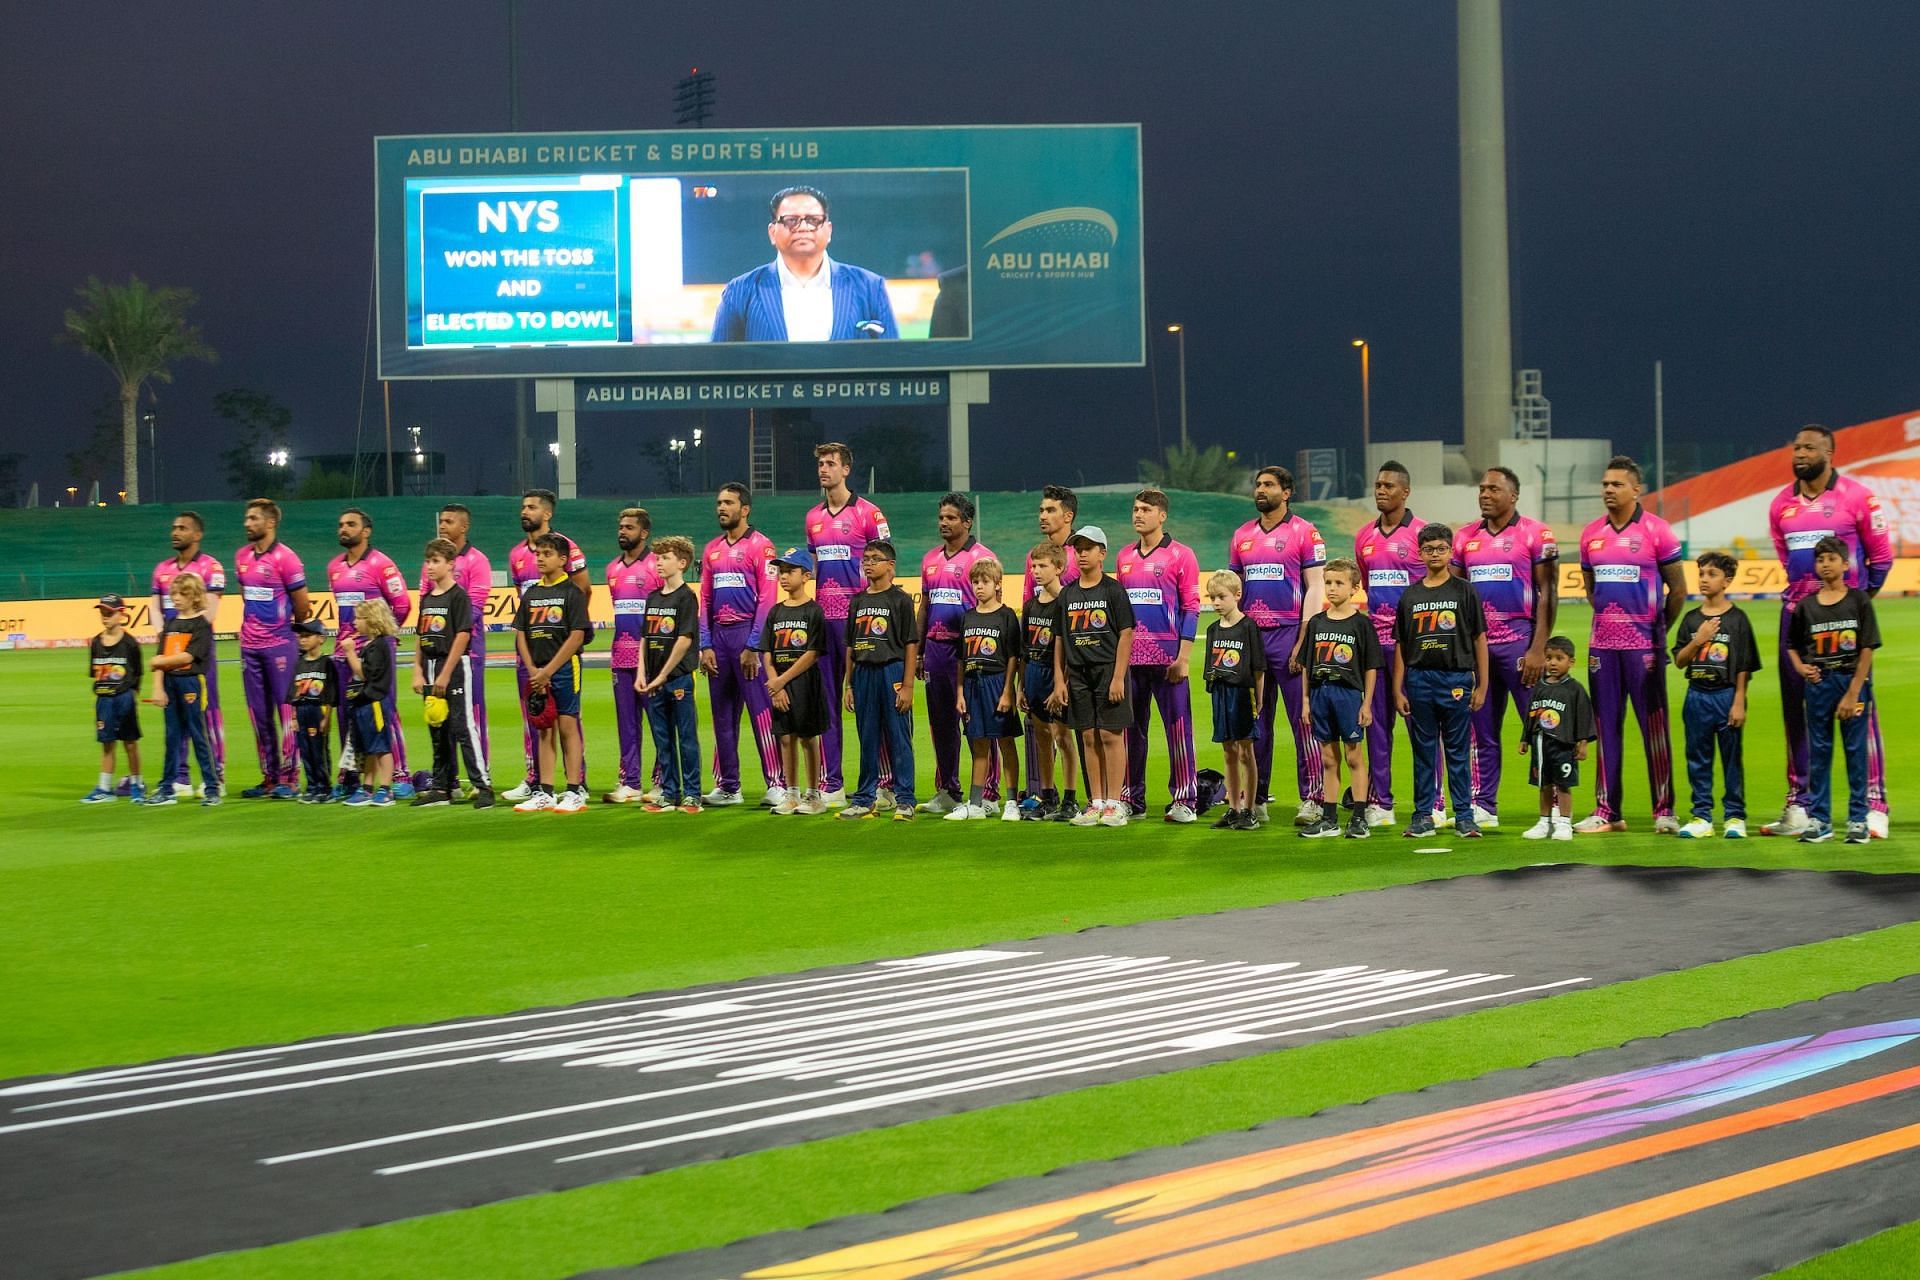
(1089, 816)
(721, 799)
(1593, 824)
(524, 791)
(1792, 821)
(1180, 813)
(774, 795)
(962, 812)
(942, 804)
(885, 803)
(1876, 825)
(1485, 820)
(810, 802)
(651, 796)
(623, 794)
(1439, 817)
(183, 789)
(1010, 812)
(1116, 814)
(789, 804)
(1379, 817)
(1260, 813)
(1563, 829)
(536, 802)
(1307, 814)
(835, 799)
(1669, 825)
(1697, 829)
(1735, 829)
(570, 801)
(1540, 830)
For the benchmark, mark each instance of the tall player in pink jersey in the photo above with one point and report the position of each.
(1278, 556)
(274, 583)
(1388, 552)
(838, 530)
(739, 585)
(1822, 503)
(946, 593)
(1162, 580)
(186, 535)
(361, 572)
(631, 578)
(536, 518)
(473, 573)
(1513, 562)
(1630, 560)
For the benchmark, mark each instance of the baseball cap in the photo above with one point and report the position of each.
(881, 547)
(1090, 533)
(796, 558)
(311, 627)
(110, 603)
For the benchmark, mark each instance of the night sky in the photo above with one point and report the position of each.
(1725, 186)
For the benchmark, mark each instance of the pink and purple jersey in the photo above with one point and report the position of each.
(472, 573)
(268, 580)
(947, 588)
(524, 570)
(629, 583)
(1389, 564)
(1272, 564)
(1846, 510)
(738, 583)
(373, 576)
(1629, 604)
(1500, 566)
(1163, 586)
(836, 539)
(211, 572)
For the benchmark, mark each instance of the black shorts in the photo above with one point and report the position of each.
(985, 720)
(1556, 762)
(1087, 705)
(116, 717)
(1235, 718)
(1039, 688)
(806, 713)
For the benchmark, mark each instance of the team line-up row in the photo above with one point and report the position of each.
(796, 638)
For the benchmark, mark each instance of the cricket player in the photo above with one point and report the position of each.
(1162, 580)
(838, 530)
(361, 572)
(631, 578)
(523, 569)
(739, 585)
(946, 593)
(274, 584)
(1387, 550)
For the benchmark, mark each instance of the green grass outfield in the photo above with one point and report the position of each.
(128, 935)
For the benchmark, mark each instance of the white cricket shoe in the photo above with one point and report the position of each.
(1485, 819)
(942, 804)
(1876, 825)
(623, 794)
(1541, 830)
(1697, 829)
(1379, 817)
(1308, 814)
(1180, 813)
(1668, 825)
(774, 795)
(835, 799)
(1116, 815)
(536, 802)
(524, 791)
(721, 799)
(1792, 821)
(1089, 816)
(1593, 824)
(810, 801)
(1735, 829)
(570, 801)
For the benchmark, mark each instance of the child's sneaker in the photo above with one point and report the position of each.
(210, 798)
(1118, 814)
(382, 799)
(965, 811)
(1734, 829)
(1245, 820)
(1697, 829)
(1320, 828)
(811, 803)
(160, 796)
(1466, 829)
(1010, 812)
(281, 792)
(903, 812)
(427, 800)
(1225, 821)
(1540, 830)
(1089, 816)
(1816, 833)
(572, 800)
(1563, 829)
(536, 802)
(99, 795)
(1357, 825)
(137, 791)
(855, 810)
(483, 799)
(789, 804)
(884, 802)
(690, 805)
(1421, 826)
(661, 805)
(1857, 833)
(359, 799)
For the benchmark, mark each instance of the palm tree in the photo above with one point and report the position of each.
(1209, 470)
(138, 331)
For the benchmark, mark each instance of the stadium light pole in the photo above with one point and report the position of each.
(1366, 398)
(1179, 332)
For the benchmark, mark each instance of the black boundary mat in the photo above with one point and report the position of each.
(149, 1164)
(1720, 1153)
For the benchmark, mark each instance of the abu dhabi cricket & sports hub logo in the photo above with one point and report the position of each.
(1074, 243)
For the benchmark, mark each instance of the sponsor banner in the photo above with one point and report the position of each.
(756, 393)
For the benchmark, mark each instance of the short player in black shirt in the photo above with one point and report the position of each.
(1559, 727)
(182, 690)
(883, 653)
(1831, 640)
(370, 659)
(669, 634)
(114, 671)
(550, 629)
(794, 637)
(1716, 650)
(444, 675)
(1236, 675)
(1339, 651)
(1440, 678)
(314, 693)
(990, 673)
(1091, 674)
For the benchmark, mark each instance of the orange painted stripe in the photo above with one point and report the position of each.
(1246, 1233)
(1581, 1232)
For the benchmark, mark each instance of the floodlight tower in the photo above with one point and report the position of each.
(1486, 335)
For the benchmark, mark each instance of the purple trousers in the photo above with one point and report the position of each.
(629, 712)
(343, 716)
(1288, 690)
(216, 727)
(1617, 677)
(266, 675)
(1380, 742)
(1793, 704)
(731, 690)
(1503, 686)
(1175, 700)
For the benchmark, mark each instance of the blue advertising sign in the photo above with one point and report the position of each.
(790, 251)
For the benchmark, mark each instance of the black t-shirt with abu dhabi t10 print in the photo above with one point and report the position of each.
(1435, 627)
(1091, 620)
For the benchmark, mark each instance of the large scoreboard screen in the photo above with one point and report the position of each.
(759, 252)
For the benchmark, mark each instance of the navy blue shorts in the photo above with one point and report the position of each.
(1235, 718)
(564, 688)
(1039, 689)
(984, 718)
(116, 717)
(1336, 713)
(372, 732)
